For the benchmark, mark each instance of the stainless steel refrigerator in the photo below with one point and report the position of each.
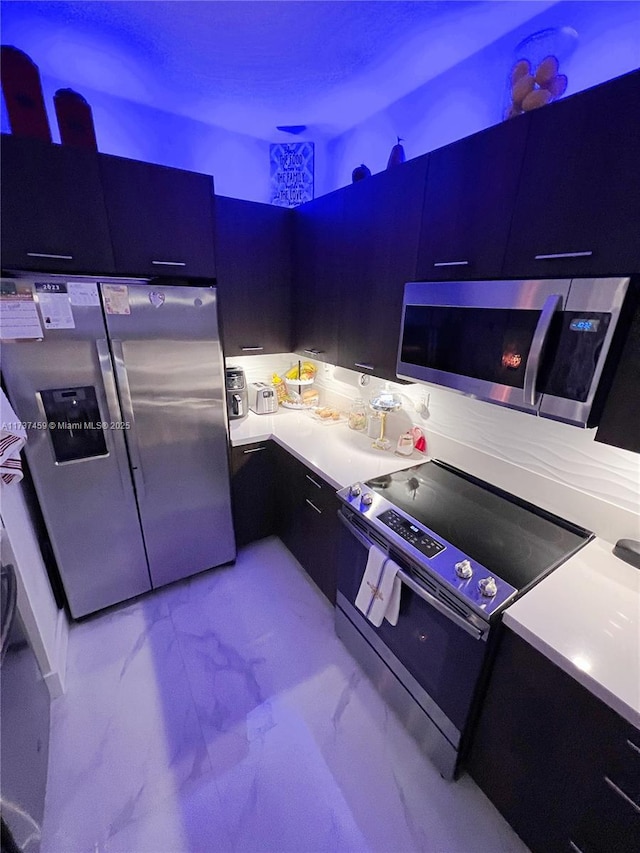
(121, 386)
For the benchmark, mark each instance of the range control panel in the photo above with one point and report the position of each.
(420, 539)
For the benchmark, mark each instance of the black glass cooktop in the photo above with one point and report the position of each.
(514, 539)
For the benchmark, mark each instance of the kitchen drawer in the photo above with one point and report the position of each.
(611, 821)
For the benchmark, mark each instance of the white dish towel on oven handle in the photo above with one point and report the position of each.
(379, 594)
(12, 438)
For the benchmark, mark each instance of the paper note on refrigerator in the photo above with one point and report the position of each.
(83, 293)
(116, 298)
(54, 304)
(19, 318)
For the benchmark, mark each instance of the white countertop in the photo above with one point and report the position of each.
(585, 616)
(335, 452)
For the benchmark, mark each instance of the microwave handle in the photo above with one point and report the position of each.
(551, 305)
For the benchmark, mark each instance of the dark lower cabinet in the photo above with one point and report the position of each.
(307, 520)
(253, 261)
(253, 491)
(561, 766)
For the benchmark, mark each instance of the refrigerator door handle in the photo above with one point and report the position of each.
(113, 406)
(131, 435)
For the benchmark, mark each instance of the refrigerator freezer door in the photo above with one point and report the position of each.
(170, 375)
(83, 481)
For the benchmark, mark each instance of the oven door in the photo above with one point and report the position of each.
(432, 658)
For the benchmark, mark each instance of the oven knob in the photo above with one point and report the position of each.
(367, 499)
(487, 587)
(463, 569)
(355, 490)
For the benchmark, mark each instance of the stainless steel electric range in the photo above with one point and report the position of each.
(465, 551)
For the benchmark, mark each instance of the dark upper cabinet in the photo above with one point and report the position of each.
(53, 212)
(550, 756)
(471, 190)
(579, 192)
(161, 219)
(318, 276)
(254, 268)
(380, 233)
(619, 423)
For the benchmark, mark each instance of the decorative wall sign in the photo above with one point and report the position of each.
(291, 173)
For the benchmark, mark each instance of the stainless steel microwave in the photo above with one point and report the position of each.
(540, 346)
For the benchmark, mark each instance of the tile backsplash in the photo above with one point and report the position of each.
(554, 465)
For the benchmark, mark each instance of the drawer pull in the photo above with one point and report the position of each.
(313, 351)
(313, 506)
(574, 847)
(622, 794)
(254, 449)
(563, 255)
(251, 349)
(364, 366)
(452, 264)
(311, 480)
(633, 746)
(169, 263)
(49, 255)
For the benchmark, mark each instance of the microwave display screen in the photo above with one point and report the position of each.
(583, 325)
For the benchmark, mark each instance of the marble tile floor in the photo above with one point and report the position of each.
(223, 714)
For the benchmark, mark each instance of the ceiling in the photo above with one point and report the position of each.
(248, 66)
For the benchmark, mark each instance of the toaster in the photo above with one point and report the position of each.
(263, 399)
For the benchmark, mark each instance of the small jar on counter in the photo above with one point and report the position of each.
(358, 414)
(373, 425)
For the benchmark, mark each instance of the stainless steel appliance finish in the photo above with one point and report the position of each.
(134, 488)
(465, 551)
(262, 398)
(237, 396)
(539, 346)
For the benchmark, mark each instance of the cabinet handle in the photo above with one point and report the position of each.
(251, 349)
(313, 506)
(574, 847)
(254, 449)
(364, 366)
(633, 746)
(49, 255)
(622, 794)
(169, 263)
(563, 255)
(313, 351)
(452, 264)
(317, 485)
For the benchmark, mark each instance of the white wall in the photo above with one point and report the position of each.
(46, 626)
(470, 96)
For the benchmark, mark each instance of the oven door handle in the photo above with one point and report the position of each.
(414, 586)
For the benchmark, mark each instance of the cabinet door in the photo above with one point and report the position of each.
(53, 213)
(161, 219)
(471, 190)
(253, 260)
(578, 206)
(620, 419)
(308, 521)
(381, 232)
(252, 491)
(542, 748)
(318, 276)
